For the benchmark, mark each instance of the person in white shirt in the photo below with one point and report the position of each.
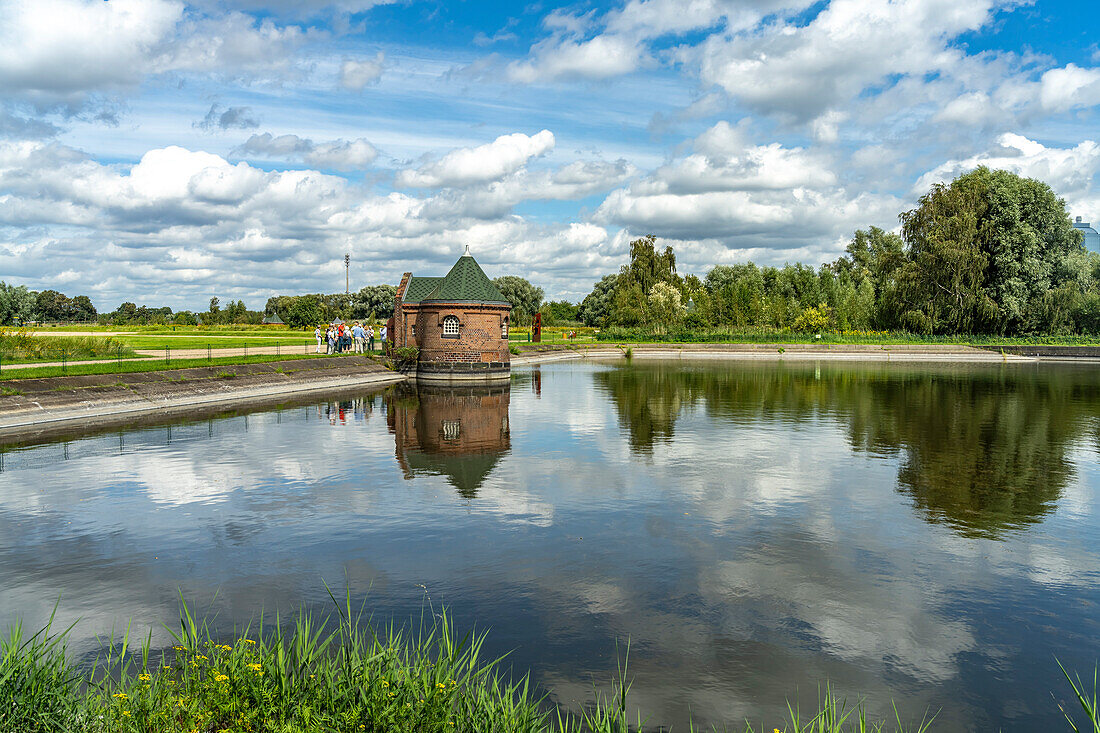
(317, 335)
(383, 339)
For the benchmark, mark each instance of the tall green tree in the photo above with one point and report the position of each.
(17, 304)
(647, 267)
(303, 311)
(596, 305)
(82, 308)
(526, 299)
(983, 253)
(376, 299)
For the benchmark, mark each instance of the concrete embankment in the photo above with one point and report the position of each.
(534, 354)
(28, 405)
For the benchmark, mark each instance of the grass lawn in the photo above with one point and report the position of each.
(215, 341)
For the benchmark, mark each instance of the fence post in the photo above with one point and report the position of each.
(64, 361)
(246, 350)
(119, 354)
(167, 355)
(209, 356)
(277, 352)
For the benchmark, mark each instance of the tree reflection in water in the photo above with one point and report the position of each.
(460, 433)
(982, 449)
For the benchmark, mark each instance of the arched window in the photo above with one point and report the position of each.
(504, 328)
(450, 327)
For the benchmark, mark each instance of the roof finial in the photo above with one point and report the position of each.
(467, 252)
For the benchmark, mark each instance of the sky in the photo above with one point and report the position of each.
(163, 152)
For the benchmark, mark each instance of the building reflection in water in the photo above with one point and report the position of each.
(457, 432)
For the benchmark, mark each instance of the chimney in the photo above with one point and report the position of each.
(1078, 220)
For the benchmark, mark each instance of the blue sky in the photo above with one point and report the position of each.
(164, 151)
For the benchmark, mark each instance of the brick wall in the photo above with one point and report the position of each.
(479, 333)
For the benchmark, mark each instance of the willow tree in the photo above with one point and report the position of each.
(984, 254)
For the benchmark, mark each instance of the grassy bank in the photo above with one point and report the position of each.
(159, 365)
(23, 347)
(338, 674)
(734, 336)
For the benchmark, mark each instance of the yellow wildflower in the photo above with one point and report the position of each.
(144, 677)
(120, 696)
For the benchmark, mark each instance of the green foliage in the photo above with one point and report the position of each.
(630, 301)
(596, 306)
(561, 311)
(54, 306)
(130, 314)
(39, 688)
(377, 300)
(17, 304)
(990, 253)
(405, 356)
(22, 345)
(813, 319)
(525, 298)
(665, 308)
(303, 311)
(648, 266)
(1089, 705)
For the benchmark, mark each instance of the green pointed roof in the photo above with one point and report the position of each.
(467, 283)
(420, 288)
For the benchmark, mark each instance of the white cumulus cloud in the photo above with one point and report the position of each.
(489, 162)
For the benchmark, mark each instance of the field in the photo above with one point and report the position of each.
(20, 346)
(153, 338)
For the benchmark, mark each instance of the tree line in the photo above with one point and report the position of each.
(19, 305)
(989, 253)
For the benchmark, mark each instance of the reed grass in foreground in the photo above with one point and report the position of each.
(332, 674)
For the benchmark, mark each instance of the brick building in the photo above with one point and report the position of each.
(459, 322)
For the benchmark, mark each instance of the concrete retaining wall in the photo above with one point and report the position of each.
(58, 400)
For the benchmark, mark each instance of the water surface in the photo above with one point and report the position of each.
(922, 533)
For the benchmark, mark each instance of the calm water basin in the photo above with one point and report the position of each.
(920, 533)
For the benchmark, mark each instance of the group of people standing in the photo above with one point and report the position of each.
(340, 338)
